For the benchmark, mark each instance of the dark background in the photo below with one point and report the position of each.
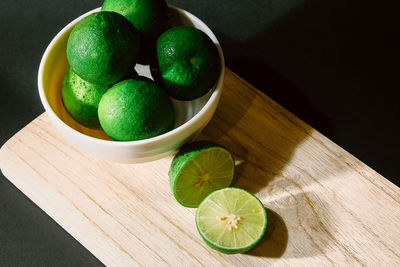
(335, 64)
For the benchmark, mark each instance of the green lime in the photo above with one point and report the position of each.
(134, 110)
(103, 47)
(198, 169)
(231, 220)
(81, 99)
(149, 17)
(188, 62)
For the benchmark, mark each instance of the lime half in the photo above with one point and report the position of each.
(231, 220)
(198, 169)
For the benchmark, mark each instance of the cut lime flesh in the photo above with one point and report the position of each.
(201, 172)
(231, 220)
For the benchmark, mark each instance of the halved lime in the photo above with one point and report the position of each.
(231, 220)
(198, 169)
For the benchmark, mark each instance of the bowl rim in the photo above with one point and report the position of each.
(170, 134)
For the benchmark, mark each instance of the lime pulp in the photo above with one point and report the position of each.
(199, 169)
(231, 220)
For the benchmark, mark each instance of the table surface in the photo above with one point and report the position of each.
(323, 205)
(328, 63)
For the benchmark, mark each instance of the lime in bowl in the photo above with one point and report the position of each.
(190, 116)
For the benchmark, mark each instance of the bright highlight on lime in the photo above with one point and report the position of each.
(231, 220)
(198, 169)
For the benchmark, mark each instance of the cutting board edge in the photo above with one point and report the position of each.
(6, 154)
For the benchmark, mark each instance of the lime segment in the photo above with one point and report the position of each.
(231, 220)
(199, 169)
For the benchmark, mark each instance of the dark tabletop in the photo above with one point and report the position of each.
(335, 64)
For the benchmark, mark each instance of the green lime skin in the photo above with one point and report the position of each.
(135, 110)
(232, 250)
(149, 17)
(81, 99)
(185, 156)
(188, 62)
(103, 47)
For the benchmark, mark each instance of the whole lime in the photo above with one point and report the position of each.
(149, 17)
(81, 99)
(134, 110)
(188, 63)
(103, 47)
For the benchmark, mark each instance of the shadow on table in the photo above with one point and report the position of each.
(309, 223)
(341, 58)
(275, 239)
(261, 134)
(283, 91)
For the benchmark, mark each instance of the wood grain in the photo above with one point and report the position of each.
(324, 206)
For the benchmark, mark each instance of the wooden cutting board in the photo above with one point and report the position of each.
(324, 206)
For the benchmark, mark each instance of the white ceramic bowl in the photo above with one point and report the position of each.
(191, 116)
